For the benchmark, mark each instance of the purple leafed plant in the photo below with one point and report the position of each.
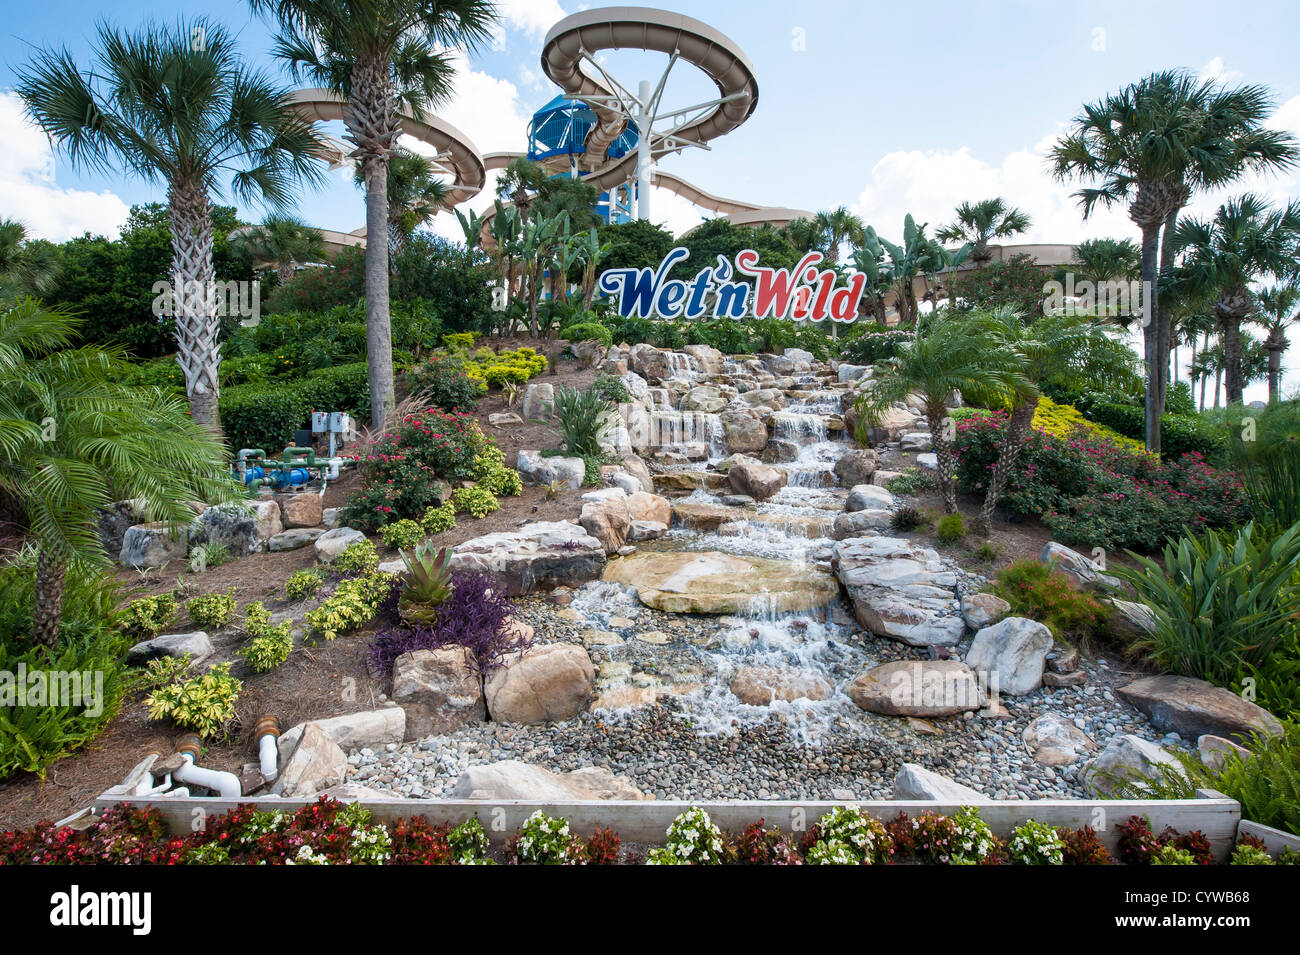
(474, 616)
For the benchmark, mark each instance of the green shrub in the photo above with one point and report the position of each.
(1035, 843)
(691, 839)
(543, 840)
(1225, 609)
(906, 518)
(911, 482)
(1043, 593)
(351, 606)
(164, 671)
(950, 528)
(302, 584)
(404, 533)
(408, 470)
(490, 471)
(146, 617)
(204, 704)
(1179, 433)
(266, 652)
(359, 557)
(582, 417)
(438, 519)
(212, 611)
(611, 388)
(478, 502)
(34, 734)
(1269, 463)
(588, 332)
(266, 415)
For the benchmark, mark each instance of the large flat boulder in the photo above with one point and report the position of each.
(152, 545)
(232, 526)
(714, 582)
(512, 779)
(554, 681)
(900, 590)
(196, 643)
(1083, 571)
(334, 542)
(1193, 708)
(922, 688)
(539, 556)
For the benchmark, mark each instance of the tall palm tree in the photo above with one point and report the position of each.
(73, 439)
(180, 107)
(282, 242)
(26, 268)
(835, 227)
(1247, 240)
(414, 195)
(1277, 309)
(379, 55)
(1149, 147)
(957, 354)
(1070, 349)
(979, 223)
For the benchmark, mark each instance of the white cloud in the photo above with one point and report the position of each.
(29, 193)
(533, 17)
(1215, 70)
(929, 185)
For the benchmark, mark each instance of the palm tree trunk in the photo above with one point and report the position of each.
(197, 324)
(51, 576)
(1165, 331)
(371, 118)
(1013, 442)
(943, 453)
(1232, 360)
(1151, 336)
(1274, 375)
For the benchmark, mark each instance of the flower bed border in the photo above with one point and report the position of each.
(1215, 815)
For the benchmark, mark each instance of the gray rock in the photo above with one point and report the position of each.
(1215, 751)
(874, 520)
(266, 520)
(848, 373)
(924, 688)
(1193, 708)
(440, 690)
(1053, 740)
(232, 526)
(1126, 758)
(535, 468)
(351, 731)
(333, 542)
(856, 467)
(917, 782)
(293, 539)
(538, 556)
(864, 496)
(982, 610)
(316, 763)
(1084, 572)
(539, 402)
(152, 545)
(511, 779)
(915, 441)
(755, 479)
(1015, 650)
(899, 590)
(196, 643)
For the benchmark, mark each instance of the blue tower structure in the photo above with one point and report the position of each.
(557, 136)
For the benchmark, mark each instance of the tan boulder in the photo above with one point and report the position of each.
(917, 688)
(762, 685)
(550, 682)
(301, 510)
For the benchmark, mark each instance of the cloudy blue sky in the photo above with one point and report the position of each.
(871, 105)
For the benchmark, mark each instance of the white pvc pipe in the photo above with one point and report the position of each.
(268, 755)
(226, 785)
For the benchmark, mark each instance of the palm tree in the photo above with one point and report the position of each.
(835, 227)
(178, 106)
(1246, 240)
(1068, 349)
(979, 223)
(1149, 146)
(1277, 309)
(593, 251)
(282, 242)
(966, 355)
(26, 268)
(804, 234)
(414, 195)
(1103, 262)
(378, 55)
(73, 439)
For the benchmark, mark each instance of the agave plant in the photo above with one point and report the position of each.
(426, 584)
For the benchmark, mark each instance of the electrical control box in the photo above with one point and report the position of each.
(330, 422)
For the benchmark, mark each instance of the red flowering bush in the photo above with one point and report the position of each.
(408, 469)
(1092, 492)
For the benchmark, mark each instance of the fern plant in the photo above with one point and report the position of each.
(583, 420)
